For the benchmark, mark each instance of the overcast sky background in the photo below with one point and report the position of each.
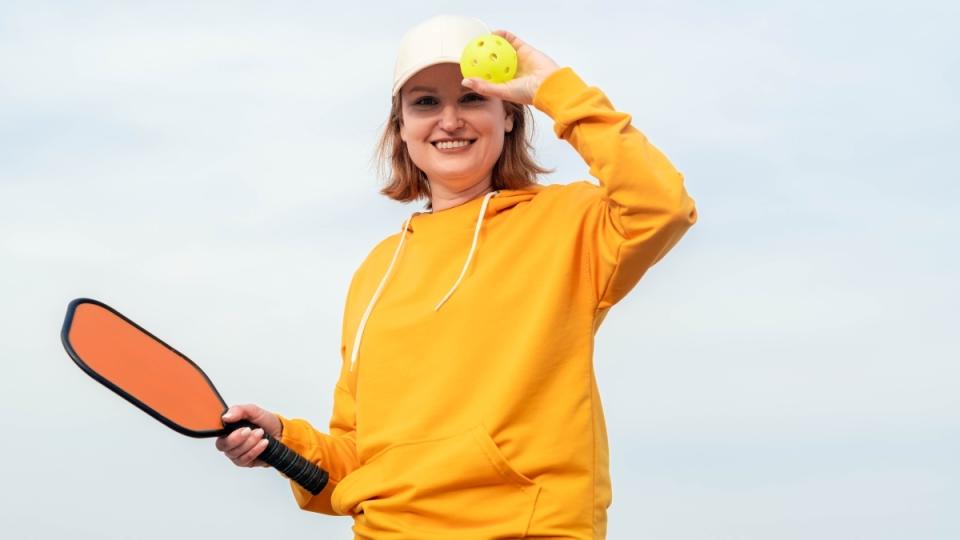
(789, 371)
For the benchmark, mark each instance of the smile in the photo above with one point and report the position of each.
(452, 145)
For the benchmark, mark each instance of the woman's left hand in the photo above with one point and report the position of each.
(533, 67)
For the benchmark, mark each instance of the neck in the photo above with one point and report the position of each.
(442, 198)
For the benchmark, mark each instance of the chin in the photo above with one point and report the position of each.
(457, 174)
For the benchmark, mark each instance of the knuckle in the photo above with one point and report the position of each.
(253, 453)
(238, 436)
(237, 453)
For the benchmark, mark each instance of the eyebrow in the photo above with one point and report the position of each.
(423, 89)
(432, 90)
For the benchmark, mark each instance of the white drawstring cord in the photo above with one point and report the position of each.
(376, 295)
(476, 234)
(403, 235)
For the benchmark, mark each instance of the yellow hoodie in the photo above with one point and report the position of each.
(466, 405)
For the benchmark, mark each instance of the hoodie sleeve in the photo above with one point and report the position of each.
(337, 452)
(642, 208)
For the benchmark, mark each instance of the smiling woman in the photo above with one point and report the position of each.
(451, 133)
(466, 405)
(434, 106)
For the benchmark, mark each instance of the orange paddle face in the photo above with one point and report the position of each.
(164, 383)
(142, 369)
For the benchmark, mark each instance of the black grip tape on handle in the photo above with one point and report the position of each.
(292, 464)
(311, 477)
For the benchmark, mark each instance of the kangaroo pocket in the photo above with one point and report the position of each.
(456, 484)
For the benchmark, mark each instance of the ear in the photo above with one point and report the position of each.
(508, 123)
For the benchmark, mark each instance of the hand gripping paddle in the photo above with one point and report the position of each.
(162, 382)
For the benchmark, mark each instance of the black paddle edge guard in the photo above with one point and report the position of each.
(279, 456)
(65, 340)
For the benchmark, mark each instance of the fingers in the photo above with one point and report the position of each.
(487, 89)
(261, 417)
(243, 446)
(230, 444)
(511, 38)
(249, 458)
(247, 440)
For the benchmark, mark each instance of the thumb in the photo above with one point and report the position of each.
(239, 412)
(256, 415)
(230, 415)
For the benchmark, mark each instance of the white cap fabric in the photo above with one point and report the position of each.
(434, 41)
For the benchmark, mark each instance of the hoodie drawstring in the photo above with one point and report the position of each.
(476, 234)
(376, 295)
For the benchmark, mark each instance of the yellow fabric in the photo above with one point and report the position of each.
(482, 419)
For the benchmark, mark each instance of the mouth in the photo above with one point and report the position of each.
(452, 144)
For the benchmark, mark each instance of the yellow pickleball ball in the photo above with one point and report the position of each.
(489, 57)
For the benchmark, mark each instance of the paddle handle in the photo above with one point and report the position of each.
(310, 477)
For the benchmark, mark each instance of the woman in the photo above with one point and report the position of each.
(466, 405)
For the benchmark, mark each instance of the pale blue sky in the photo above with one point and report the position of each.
(789, 371)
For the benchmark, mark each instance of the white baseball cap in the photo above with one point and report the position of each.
(434, 41)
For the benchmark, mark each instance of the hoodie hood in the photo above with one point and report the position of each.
(467, 214)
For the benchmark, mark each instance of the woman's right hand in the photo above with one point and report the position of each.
(244, 445)
(533, 67)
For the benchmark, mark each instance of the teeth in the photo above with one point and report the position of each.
(446, 145)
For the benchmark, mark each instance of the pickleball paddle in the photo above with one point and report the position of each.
(162, 382)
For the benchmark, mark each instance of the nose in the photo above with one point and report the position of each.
(450, 118)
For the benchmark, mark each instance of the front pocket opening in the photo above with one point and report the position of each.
(460, 484)
(497, 459)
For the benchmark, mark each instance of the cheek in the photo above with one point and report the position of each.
(493, 129)
(414, 142)
(496, 147)
(414, 132)
(410, 126)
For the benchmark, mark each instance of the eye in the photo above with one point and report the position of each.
(426, 100)
(473, 96)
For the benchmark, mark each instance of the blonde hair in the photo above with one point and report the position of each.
(514, 169)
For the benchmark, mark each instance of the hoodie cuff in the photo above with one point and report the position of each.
(557, 91)
(293, 434)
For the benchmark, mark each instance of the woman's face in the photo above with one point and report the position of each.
(452, 133)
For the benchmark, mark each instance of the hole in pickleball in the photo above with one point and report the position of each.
(488, 77)
(475, 62)
(506, 69)
(480, 43)
(493, 57)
